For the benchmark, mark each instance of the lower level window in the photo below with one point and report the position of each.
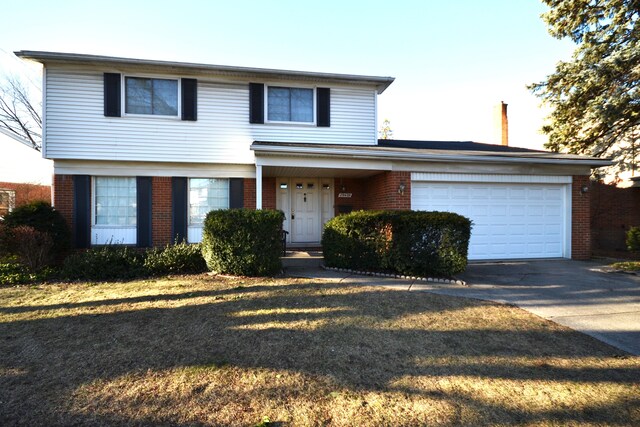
(115, 201)
(206, 194)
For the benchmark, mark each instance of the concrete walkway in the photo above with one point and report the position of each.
(577, 294)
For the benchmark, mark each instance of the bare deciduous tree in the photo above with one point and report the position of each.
(19, 114)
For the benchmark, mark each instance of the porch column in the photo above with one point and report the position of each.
(258, 186)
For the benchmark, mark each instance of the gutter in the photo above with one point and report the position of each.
(376, 155)
(381, 83)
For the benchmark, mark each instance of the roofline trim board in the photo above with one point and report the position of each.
(381, 83)
(432, 157)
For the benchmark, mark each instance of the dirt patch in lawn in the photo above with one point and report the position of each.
(215, 351)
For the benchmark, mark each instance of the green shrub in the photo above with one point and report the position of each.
(105, 263)
(633, 239)
(179, 258)
(358, 240)
(430, 243)
(12, 272)
(44, 218)
(243, 241)
(407, 242)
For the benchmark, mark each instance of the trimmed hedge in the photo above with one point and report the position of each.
(407, 242)
(104, 264)
(125, 263)
(244, 242)
(179, 258)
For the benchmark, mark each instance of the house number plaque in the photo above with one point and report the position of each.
(345, 195)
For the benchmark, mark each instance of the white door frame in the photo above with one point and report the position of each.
(285, 202)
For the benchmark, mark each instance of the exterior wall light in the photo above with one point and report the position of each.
(584, 189)
(401, 188)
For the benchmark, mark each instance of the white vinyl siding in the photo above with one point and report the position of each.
(76, 127)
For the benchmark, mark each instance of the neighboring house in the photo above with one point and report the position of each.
(144, 149)
(24, 175)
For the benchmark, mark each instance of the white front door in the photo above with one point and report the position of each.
(305, 210)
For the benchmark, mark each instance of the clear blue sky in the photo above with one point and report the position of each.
(453, 60)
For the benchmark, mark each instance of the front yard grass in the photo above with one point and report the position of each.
(201, 350)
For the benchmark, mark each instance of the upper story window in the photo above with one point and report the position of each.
(289, 104)
(151, 96)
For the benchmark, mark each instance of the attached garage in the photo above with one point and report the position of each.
(514, 216)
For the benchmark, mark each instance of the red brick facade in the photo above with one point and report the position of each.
(349, 186)
(381, 191)
(161, 211)
(250, 193)
(580, 218)
(26, 193)
(268, 193)
(613, 211)
(62, 190)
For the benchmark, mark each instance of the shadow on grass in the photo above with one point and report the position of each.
(313, 329)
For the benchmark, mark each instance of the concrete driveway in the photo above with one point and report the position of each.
(577, 294)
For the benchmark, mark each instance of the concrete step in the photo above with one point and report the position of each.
(302, 258)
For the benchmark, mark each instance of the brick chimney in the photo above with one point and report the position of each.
(501, 123)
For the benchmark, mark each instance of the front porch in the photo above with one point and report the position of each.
(308, 202)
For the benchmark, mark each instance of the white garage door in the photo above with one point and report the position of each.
(509, 220)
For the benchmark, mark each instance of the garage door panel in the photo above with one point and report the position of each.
(509, 220)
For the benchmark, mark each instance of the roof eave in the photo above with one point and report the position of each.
(380, 83)
(434, 157)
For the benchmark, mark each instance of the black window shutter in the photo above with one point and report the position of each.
(82, 211)
(236, 193)
(256, 103)
(323, 107)
(179, 192)
(189, 99)
(143, 211)
(112, 95)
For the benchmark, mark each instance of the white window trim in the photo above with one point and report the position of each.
(93, 205)
(123, 96)
(286, 85)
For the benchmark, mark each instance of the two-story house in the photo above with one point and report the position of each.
(143, 149)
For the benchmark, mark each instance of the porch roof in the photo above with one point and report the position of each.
(427, 151)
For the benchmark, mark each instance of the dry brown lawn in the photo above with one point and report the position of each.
(202, 350)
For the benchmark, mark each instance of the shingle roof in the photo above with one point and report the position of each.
(454, 145)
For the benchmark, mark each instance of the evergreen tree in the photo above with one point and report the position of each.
(595, 97)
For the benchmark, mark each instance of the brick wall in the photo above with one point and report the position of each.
(382, 191)
(63, 197)
(161, 211)
(613, 211)
(249, 193)
(268, 193)
(26, 193)
(356, 187)
(580, 219)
